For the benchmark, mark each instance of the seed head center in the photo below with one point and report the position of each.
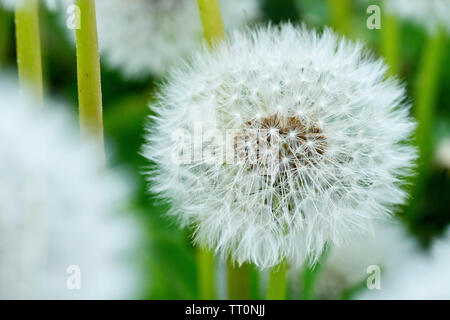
(280, 144)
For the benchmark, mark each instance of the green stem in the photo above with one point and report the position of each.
(205, 276)
(390, 39)
(28, 46)
(88, 71)
(5, 28)
(309, 280)
(277, 283)
(238, 281)
(213, 28)
(426, 94)
(426, 89)
(340, 15)
(214, 31)
(310, 275)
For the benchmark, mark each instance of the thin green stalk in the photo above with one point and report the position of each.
(390, 42)
(309, 277)
(213, 31)
(340, 11)
(238, 282)
(205, 265)
(5, 28)
(88, 71)
(213, 28)
(28, 47)
(309, 280)
(426, 89)
(278, 283)
(426, 94)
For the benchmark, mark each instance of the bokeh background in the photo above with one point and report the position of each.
(167, 257)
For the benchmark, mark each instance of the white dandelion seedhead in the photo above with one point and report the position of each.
(283, 140)
(59, 211)
(146, 37)
(432, 14)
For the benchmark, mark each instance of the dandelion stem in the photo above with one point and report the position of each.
(88, 70)
(340, 15)
(425, 99)
(238, 282)
(5, 28)
(277, 283)
(426, 94)
(205, 265)
(28, 46)
(310, 275)
(390, 37)
(212, 21)
(213, 31)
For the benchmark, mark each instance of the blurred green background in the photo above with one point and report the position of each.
(168, 258)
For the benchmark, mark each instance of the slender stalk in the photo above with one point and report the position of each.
(88, 71)
(5, 27)
(426, 93)
(310, 275)
(277, 283)
(238, 282)
(213, 31)
(205, 265)
(426, 88)
(390, 38)
(309, 279)
(212, 21)
(28, 46)
(340, 15)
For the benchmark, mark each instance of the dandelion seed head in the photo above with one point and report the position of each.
(285, 197)
(59, 208)
(146, 37)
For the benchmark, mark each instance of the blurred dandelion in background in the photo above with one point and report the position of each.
(345, 267)
(144, 38)
(58, 208)
(424, 275)
(432, 14)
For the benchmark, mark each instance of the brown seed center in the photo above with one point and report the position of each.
(280, 145)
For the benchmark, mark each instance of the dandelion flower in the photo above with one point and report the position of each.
(346, 267)
(432, 14)
(144, 38)
(422, 276)
(61, 214)
(318, 147)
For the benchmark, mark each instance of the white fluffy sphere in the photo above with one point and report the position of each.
(59, 210)
(339, 129)
(144, 38)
